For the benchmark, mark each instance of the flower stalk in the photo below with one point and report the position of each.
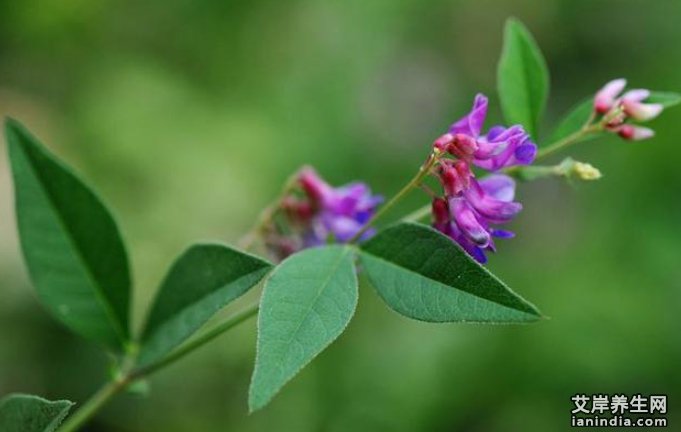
(415, 182)
(266, 217)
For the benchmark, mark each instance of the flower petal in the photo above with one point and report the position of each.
(471, 124)
(640, 111)
(489, 205)
(455, 234)
(636, 95)
(468, 223)
(498, 186)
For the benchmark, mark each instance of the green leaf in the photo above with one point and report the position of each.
(424, 275)
(522, 78)
(307, 303)
(667, 99)
(70, 242)
(26, 413)
(202, 281)
(573, 121)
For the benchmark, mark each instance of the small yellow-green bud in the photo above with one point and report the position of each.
(585, 171)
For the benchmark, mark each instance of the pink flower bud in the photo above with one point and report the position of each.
(631, 103)
(605, 97)
(634, 133)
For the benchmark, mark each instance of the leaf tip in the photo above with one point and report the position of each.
(12, 127)
(256, 403)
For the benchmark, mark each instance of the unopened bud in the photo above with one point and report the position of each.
(640, 111)
(455, 176)
(463, 146)
(634, 133)
(605, 97)
(313, 186)
(443, 142)
(585, 171)
(440, 210)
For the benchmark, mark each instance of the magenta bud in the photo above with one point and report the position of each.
(464, 171)
(455, 176)
(443, 142)
(449, 179)
(440, 211)
(463, 146)
(313, 186)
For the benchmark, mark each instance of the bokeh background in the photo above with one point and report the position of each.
(187, 115)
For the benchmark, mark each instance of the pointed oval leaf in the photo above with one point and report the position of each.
(667, 99)
(26, 413)
(202, 281)
(522, 78)
(575, 120)
(72, 247)
(424, 275)
(307, 303)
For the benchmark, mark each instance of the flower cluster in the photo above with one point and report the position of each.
(470, 208)
(616, 110)
(317, 213)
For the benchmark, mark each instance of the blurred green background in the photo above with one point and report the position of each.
(187, 115)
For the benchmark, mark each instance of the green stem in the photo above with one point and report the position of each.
(94, 404)
(266, 216)
(560, 144)
(588, 128)
(111, 389)
(198, 342)
(413, 183)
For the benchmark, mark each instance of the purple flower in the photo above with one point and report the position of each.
(337, 213)
(501, 147)
(469, 208)
(468, 217)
